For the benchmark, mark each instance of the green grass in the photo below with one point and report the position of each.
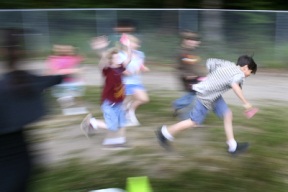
(200, 162)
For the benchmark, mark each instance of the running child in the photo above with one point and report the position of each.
(113, 94)
(64, 59)
(190, 71)
(136, 94)
(223, 76)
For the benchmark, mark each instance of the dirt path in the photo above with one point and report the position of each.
(264, 86)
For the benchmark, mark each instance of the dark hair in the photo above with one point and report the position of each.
(127, 25)
(247, 60)
(189, 35)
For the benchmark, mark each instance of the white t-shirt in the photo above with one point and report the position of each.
(137, 61)
(222, 75)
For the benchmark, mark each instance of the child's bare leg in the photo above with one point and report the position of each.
(228, 118)
(166, 134)
(139, 98)
(122, 132)
(180, 126)
(97, 123)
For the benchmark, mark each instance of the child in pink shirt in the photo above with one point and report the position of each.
(64, 59)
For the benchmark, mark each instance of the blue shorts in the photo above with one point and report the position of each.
(114, 115)
(199, 112)
(131, 88)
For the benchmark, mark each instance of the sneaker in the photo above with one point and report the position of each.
(163, 141)
(127, 106)
(175, 112)
(116, 147)
(241, 147)
(130, 123)
(131, 119)
(66, 101)
(85, 126)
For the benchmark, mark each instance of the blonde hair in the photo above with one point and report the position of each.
(109, 54)
(133, 39)
(63, 49)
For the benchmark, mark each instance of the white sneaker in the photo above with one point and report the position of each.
(116, 147)
(66, 101)
(127, 106)
(131, 119)
(86, 127)
(132, 124)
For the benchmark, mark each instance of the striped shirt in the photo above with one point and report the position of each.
(222, 74)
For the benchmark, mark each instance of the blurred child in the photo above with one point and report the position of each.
(113, 94)
(136, 94)
(190, 71)
(223, 76)
(123, 26)
(64, 59)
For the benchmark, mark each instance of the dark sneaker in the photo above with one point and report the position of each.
(163, 141)
(116, 147)
(241, 147)
(175, 112)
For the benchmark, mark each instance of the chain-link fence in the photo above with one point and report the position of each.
(224, 33)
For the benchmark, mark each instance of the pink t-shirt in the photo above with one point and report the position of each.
(59, 62)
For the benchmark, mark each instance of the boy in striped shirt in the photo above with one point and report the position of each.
(223, 76)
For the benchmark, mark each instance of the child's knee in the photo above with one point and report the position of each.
(143, 98)
(228, 114)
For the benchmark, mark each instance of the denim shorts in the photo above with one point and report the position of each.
(199, 111)
(130, 88)
(114, 115)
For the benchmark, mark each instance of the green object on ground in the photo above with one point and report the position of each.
(138, 184)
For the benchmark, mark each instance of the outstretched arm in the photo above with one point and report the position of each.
(126, 41)
(238, 91)
(143, 68)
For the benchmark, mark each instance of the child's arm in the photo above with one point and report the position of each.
(125, 41)
(103, 63)
(238, 91)
(127, 73)
(143, 68)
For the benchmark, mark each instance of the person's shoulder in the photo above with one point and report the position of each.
(216, 59)
(224, 62)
